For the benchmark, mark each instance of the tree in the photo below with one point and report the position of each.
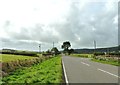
(71, 51)
(55, 50)
(48, 51)
(66, 46)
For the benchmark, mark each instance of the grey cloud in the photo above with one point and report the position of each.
(7, 23)
(4, 40)
(119, 23)
(15, 44)
(105, 33)
(23, 35)
(37, 32)
(78, 22)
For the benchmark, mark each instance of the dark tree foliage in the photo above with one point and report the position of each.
(16, 52)
(66, 45)
(71, 51)
(55, 50)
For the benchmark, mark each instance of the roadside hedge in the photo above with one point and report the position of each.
(99, 53)
(8, 67)
(19, 53)
(111, 53)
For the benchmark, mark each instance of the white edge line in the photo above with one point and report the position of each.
(66, 79)
(85, 63)
(108, 73)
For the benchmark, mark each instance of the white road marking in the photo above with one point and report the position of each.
(108, 73)
(66, 79)
(85, 63)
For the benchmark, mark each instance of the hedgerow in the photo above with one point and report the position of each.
(8, 67)
(47, 72)
(26, 53)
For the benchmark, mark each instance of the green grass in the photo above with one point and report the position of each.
(82, 55)
(111, 62)
(49, 71)
(9, 57)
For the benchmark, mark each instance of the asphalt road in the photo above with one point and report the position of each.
(82, 70)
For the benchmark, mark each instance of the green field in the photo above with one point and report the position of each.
(10, 57)
(49, 71)
(111, 62)
(82, 55)
(108, 61)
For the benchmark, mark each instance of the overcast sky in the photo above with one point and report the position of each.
(26, 23)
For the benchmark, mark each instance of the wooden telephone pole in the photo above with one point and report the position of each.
(53, 44)
(94, 46)
(39, 48)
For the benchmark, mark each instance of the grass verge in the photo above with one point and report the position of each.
(111, 62)
(49, 71)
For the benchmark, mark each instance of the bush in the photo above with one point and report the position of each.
(81, 55)
(99, 53)
(20, 53)
(8, 67)
(116, 53)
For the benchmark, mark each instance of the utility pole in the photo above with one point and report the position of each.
(94, 46)
(39, 48)
(108, 51)
(53, 44)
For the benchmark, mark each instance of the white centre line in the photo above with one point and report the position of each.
(66, 79)
(108, 73)
(85, 63)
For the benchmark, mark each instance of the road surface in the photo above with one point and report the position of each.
(82, 70)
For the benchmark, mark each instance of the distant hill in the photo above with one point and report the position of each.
(109, 49)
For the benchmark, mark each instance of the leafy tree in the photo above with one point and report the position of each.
(48, 51)
(118, 48)
(55, 50)
(66, 46)
(71, 51)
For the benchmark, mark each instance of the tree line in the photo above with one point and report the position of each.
(66, 49)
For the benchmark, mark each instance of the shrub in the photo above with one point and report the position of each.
(20, 53)
(99, 53)
(8, 67)
(116, 53)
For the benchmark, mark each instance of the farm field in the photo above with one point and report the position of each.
(103, 59)
(82, 55)
(10, 57)
(49, 71)
(107, 61)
